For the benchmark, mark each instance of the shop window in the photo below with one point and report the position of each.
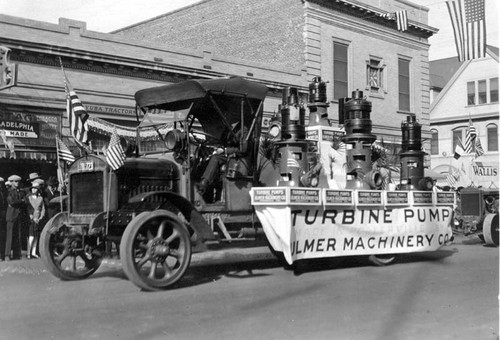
(492, 131)
(340, 70)
(404, 84)
(435, 143)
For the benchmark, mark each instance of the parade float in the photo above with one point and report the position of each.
(340, 203)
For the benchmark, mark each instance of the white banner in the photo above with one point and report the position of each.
(304, 232)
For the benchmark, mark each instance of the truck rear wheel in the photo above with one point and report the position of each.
(155, 250)
(66, 253)
(490, 229)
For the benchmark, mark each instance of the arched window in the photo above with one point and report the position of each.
(492, 131)
(435, 142)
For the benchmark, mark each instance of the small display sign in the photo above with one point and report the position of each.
(338, 197)
(269, 195)
(397, 198)
(86, 166)
(369, 197)
(445, 198)
(304, 196)
(422, 197)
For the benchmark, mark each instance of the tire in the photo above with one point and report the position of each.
(382, 259)
(155, 250)
(490, 229)
(63, 252)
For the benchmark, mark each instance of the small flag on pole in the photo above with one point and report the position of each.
(469, 26)
(479, 148)
(459, 150)
(470, 136)
(402, 20)
(77, 116)
(64, 152)
(115, 155)
(452, 178)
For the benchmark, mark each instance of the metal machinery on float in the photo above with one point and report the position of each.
(349, 216)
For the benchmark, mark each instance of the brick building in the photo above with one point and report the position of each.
(351, 44)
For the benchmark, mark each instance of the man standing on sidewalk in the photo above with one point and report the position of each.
(16, 200)
(3, 226)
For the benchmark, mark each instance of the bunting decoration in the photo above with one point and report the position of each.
(115, 156)
(469, 27)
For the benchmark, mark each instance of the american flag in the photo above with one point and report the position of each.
(452, 178)
(469, 26)
(402, 20)
(64, 152)
(479, 148)
(470, 136)
(115, 155)
(77, 115)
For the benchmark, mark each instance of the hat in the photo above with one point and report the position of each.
(1, 179)
(39, 181)
(35, 185)
(8, 184)
(33, 176)
(52, 181)
(14, 178)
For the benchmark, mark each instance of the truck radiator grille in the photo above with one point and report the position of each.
(87, 192)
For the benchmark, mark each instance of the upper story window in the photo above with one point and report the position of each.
(404, 84)
(374, 75)
(492, 134)
(494, 90)
(340, 70)
(435, 142)
(482, 91)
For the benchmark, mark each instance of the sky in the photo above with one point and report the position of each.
(109, 15)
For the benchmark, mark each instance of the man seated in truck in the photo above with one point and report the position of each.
(233, 144)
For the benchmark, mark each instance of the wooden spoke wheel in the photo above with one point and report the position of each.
(65, 251)
(155, 250)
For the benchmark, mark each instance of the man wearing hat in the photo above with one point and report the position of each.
(16, 200)
(3, 226)
(50, 193)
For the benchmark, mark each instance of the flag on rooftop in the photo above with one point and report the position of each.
(402, 20)
(64, 152)
(115, 156)
(469, 26)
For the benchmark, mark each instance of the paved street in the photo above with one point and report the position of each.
(452, 294)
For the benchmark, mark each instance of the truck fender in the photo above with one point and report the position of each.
(196, 221)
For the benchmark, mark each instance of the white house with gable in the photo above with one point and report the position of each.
(464, 92)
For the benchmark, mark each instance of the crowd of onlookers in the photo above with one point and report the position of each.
(24, 209)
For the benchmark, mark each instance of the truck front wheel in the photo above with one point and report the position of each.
(155, 250)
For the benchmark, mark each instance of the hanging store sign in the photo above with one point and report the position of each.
(20, 129)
